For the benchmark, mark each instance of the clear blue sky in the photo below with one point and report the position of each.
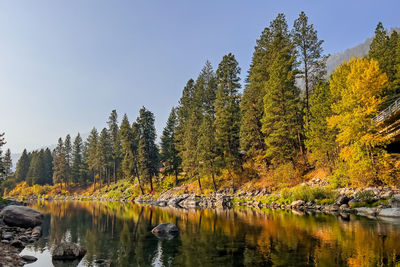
(64, 65)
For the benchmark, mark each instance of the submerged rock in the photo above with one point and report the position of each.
(21, 216)
(165, 230)
(68, 251)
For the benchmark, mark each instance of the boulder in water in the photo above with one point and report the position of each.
(68, 251)
(21, 216)
(165, 230)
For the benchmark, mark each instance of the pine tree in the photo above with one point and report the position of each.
(169, 154)
(48, 167)
(183, 114)
(76, 167)
(104, 154)
(252, 108)
(147, 149)
(68, 152)
(2, 167)
(92, 159)
(281, 123)
(60, 167)
(310, 51)
(7, 162)
(383, 48)
(22, 167)
(202, 102)
(115, 140)
(320, 139)
(227, 107)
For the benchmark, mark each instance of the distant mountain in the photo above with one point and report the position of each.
(357, 51)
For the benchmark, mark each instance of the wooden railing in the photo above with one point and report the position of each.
(395, 106)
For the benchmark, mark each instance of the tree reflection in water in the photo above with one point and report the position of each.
(121, 233)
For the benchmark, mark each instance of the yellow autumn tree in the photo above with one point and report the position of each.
(356, 87)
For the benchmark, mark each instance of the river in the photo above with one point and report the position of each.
(120, 233)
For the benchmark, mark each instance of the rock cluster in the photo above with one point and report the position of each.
(13, 241)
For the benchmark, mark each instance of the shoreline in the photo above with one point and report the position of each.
(382, 202)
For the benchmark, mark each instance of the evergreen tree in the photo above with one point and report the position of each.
(383, 48)
(252, 108)
(310, 51)
(281, 123)
(202, 102)
(7, 163)
(147, 149)
(183, 114)
(320, 139)
(2, 167)
(129, 143)
(169, 154)
(92, 158)
(22, 167)
(113, 130)
(68, 152)
(104, 154)
(76, 167)
(60, 167)
(48, 167)
(227, 107)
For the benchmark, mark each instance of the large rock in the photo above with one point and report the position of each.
(367, 211)
(21, 216)
(390, 212)
(297, 203)
(67, 251)
(165, 230)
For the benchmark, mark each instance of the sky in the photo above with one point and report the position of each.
(64, 65)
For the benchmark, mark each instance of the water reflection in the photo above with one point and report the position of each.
(239, 237)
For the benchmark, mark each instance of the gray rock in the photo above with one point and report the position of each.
(165, 230)
(29, 258)
(37, 231)
(297, 203)
(67, 251)
(23, 238)
(367, 211)
(396, 197)
(8, 236)
(390, 212)
(21, 216)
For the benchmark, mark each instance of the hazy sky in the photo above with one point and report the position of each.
(64, 65)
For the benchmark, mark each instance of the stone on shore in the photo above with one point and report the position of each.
(297, 203)
(29, 258)
(21, 216)
(68, 251)
(390, 212)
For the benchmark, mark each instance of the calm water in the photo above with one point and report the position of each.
(237, 237)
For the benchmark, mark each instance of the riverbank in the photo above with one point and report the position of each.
(13, 239)
(314, 196)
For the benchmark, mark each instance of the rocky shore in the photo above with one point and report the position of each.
(371, 202)
(19, 226)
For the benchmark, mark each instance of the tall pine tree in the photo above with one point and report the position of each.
(169, 154)
(281, 122)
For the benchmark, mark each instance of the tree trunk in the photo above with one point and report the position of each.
(115, 171)
(213, 176)
(151, 184)
(198, 179)
(176, 177)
